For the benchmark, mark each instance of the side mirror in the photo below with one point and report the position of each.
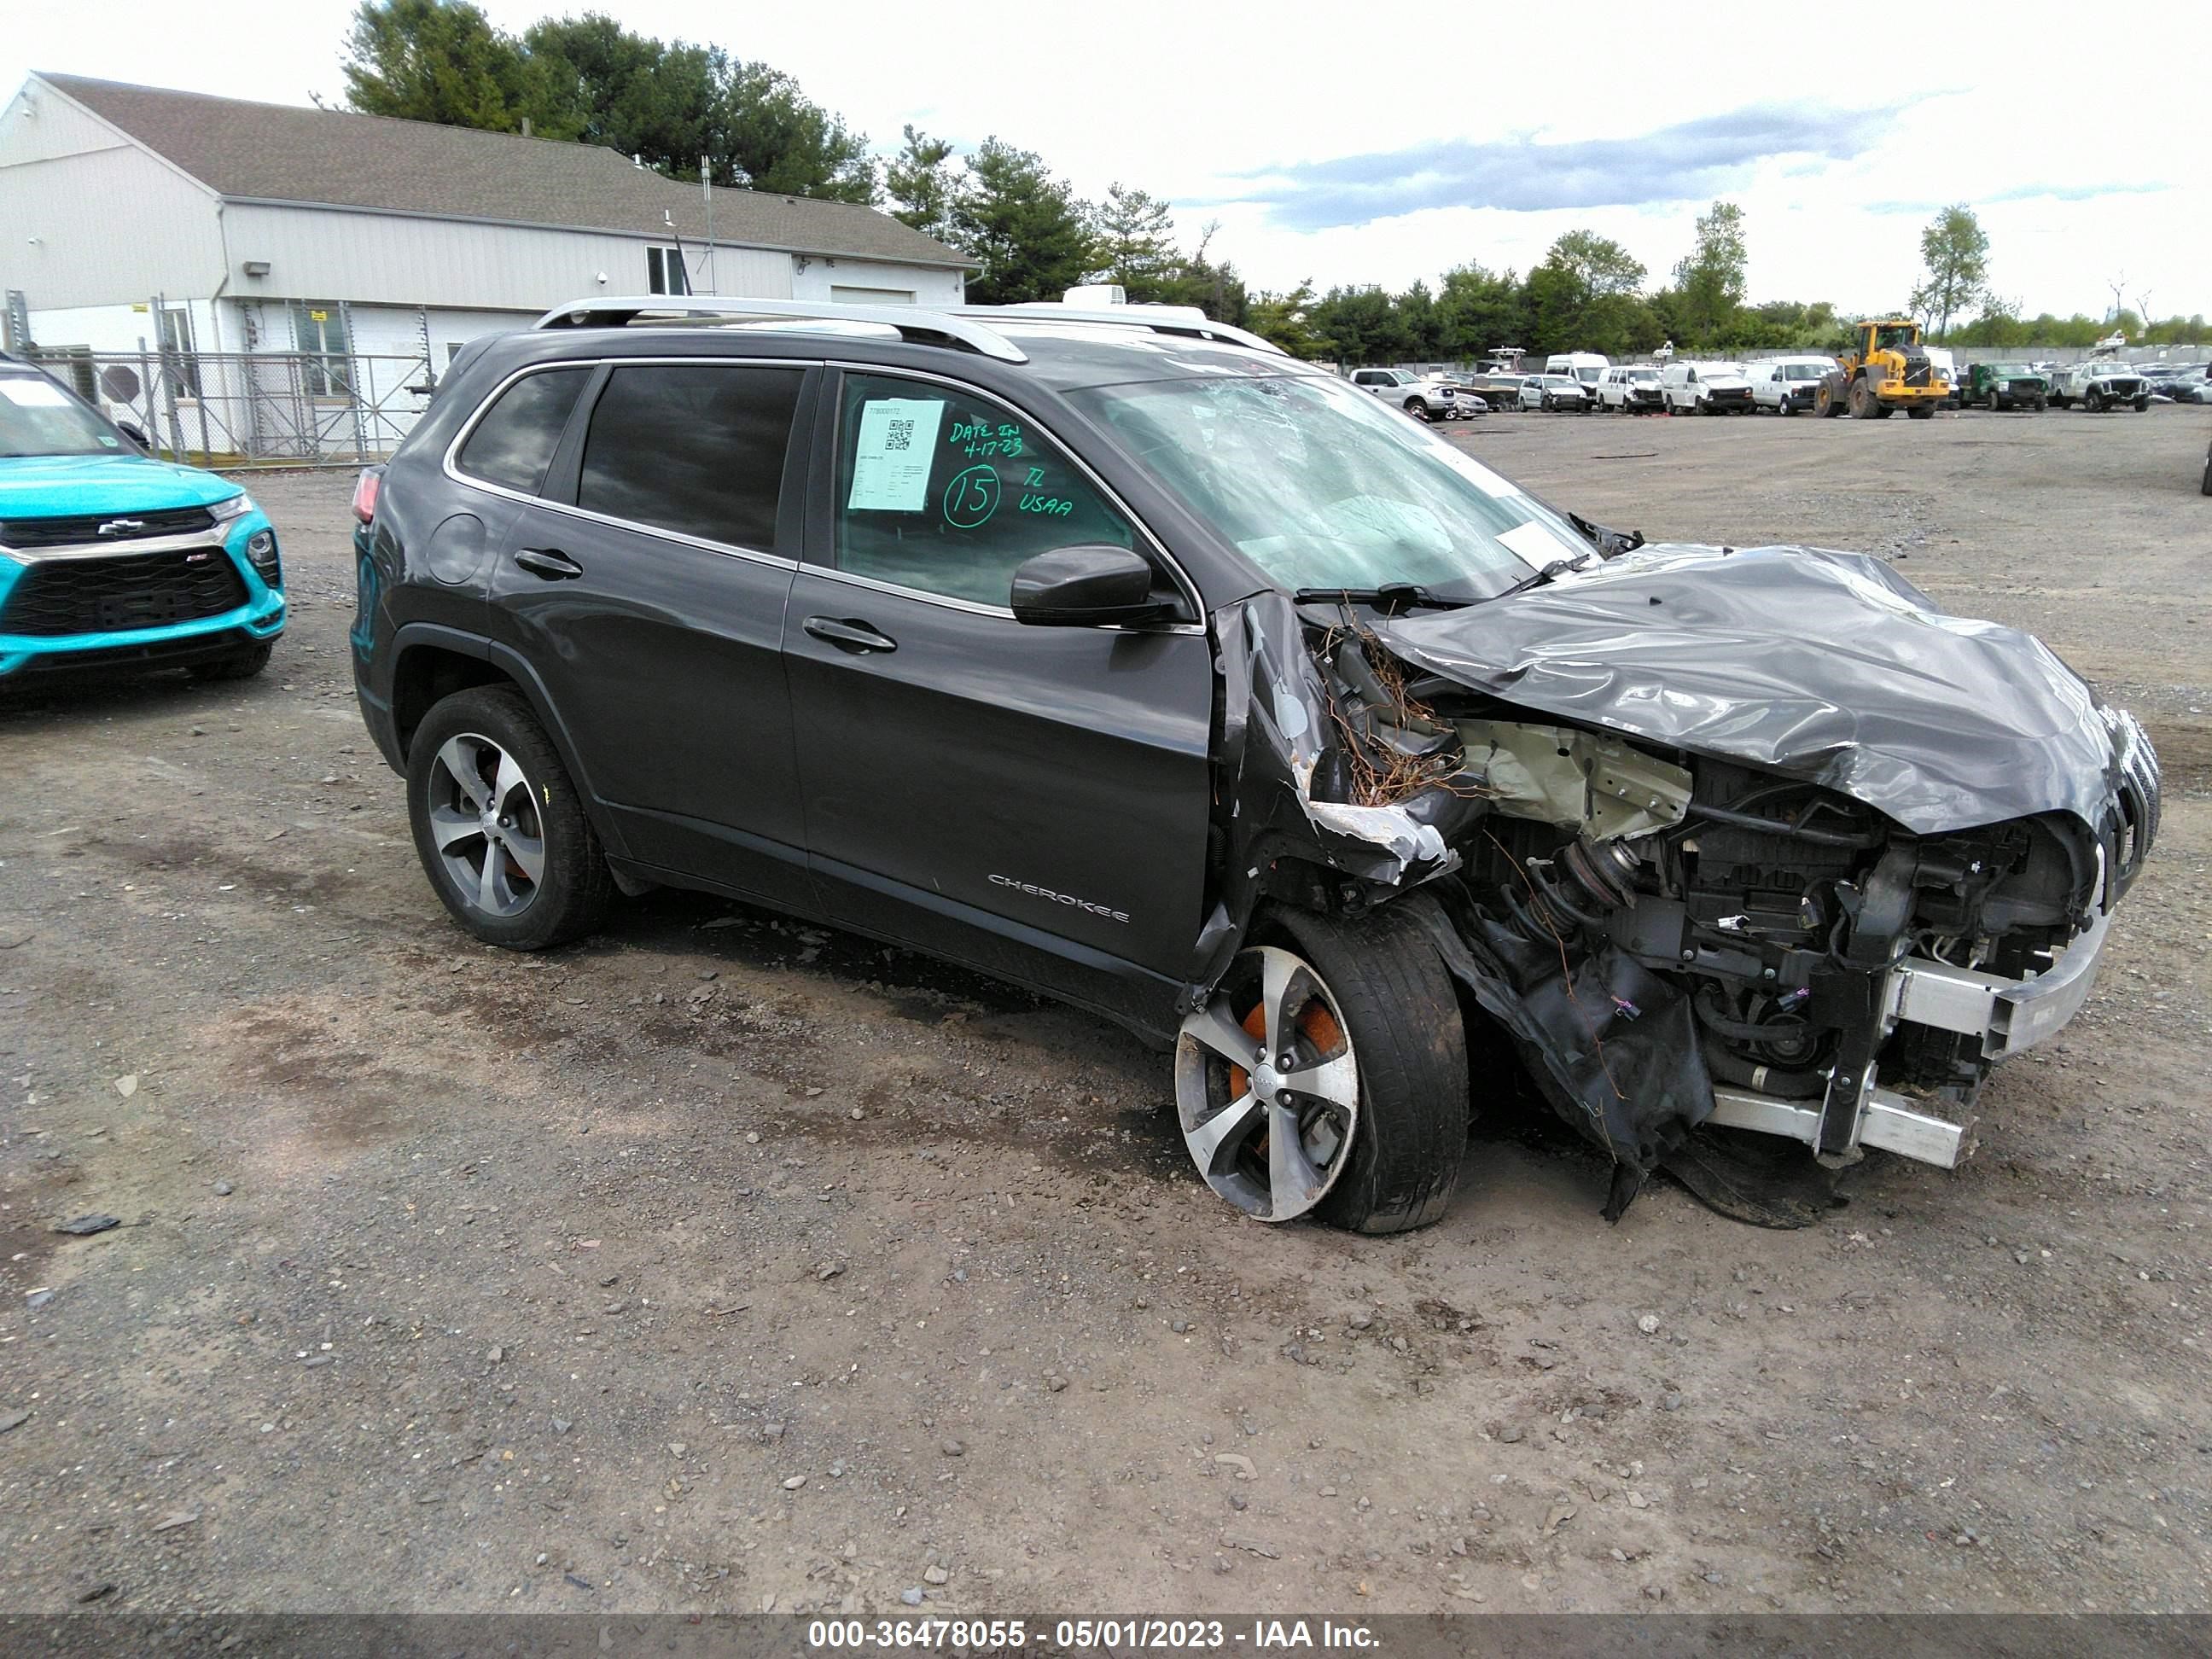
(1084, 586)
(136, 433)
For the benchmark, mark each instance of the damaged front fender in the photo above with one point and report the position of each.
(1277, 742)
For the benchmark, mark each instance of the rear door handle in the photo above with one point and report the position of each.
(549, 562)
(850, 635)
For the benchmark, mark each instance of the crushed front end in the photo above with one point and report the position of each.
(1700, 867)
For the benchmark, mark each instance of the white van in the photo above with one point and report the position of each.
(1787, 385)
(1633, 388)
(1705, 389)
(1583, 365)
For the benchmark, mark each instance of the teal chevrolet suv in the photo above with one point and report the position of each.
(112, 559)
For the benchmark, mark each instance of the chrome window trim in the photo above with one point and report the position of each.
(451, 463)
(1184, 585)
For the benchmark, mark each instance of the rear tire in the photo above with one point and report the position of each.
(483, 748)
(242, 664)
(1920, 412)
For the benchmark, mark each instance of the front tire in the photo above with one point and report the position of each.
(1365, 1126)
(499, 827)
(242, 664)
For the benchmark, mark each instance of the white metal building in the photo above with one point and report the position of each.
(265, 227)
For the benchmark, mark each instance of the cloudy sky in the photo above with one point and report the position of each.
(1383, 142)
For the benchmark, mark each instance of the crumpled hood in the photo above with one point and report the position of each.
(65, 486)
(1822, 665)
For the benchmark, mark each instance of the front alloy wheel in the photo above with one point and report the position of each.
(1327, 1075)
(1267, 1086)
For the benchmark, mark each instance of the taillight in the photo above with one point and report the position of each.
(364, 492)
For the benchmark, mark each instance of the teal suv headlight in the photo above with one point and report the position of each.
(261, 548)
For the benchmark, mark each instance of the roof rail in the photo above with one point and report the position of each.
(1160, 319)
(910, 322)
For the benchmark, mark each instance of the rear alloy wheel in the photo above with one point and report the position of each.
(499, 827)
(1327, 1076)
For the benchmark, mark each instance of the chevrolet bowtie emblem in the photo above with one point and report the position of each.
(122, 526)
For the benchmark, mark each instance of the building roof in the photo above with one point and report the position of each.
(247, 151)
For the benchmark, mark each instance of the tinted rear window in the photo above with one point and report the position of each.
(514, 444)
(695, 448)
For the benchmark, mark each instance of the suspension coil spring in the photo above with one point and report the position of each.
(1584, 876)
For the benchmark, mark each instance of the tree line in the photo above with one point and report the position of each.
(690, 111)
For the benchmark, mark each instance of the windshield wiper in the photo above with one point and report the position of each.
(1549, 573)
(1389, 597)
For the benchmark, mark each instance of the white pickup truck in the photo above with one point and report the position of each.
(2100, 385)
(1424, 400)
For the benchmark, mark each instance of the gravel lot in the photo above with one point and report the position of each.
(725, 1264)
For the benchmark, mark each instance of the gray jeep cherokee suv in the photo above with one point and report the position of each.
(1124, 657)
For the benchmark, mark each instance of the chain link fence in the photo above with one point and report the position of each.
(234, 410)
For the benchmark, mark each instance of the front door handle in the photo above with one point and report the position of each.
(549, 562)
(851, 636)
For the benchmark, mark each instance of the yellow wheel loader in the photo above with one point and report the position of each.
(1886, 369)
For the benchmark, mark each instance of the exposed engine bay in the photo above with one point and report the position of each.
(1700, 868)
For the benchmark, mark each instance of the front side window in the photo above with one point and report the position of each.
(697, 448)
(514, 444)
(1323, 489)
(948, 493)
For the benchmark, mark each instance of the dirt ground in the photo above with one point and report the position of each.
(728, 1264)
